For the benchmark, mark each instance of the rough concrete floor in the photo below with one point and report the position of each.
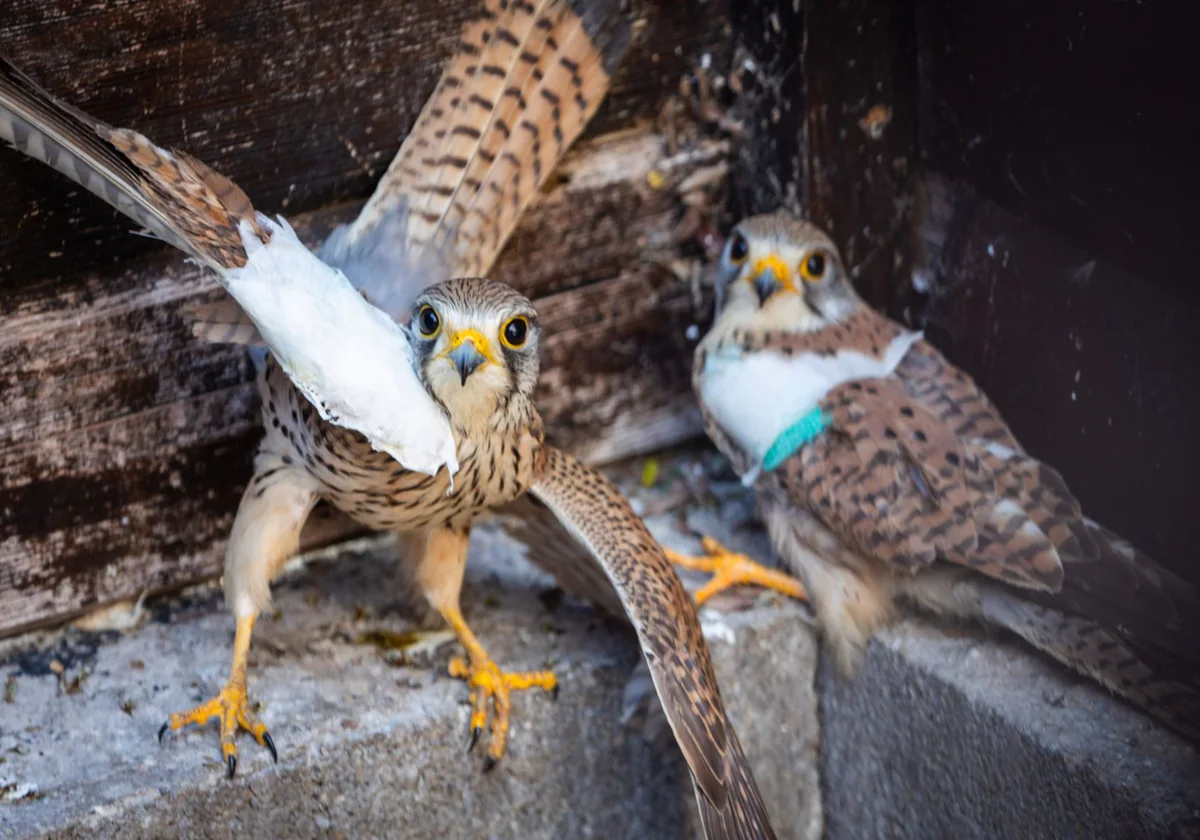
(371, 747)
(950, 734)
(944, 733)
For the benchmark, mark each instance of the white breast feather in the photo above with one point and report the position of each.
(352, 362)
(754, 397)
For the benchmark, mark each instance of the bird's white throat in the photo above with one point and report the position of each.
(755, 397)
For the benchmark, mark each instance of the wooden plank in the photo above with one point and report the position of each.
(125, 442)
(1069, 114)
(303, 103)
(1028, 202)
(859, 71)
(1059, 219)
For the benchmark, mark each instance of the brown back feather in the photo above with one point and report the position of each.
(491, 132)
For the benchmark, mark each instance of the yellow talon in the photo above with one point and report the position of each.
(489, 684)
(230, 707)
(731, 569)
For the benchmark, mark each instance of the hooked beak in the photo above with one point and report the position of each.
(769, 275)
(465, 353)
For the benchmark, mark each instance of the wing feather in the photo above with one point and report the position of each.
(599, 518)
(172, 195)
(466, 172)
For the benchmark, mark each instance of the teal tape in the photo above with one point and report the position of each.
(795, 436)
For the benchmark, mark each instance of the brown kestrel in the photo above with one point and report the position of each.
(885, 475)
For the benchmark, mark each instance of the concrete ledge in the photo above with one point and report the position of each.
(941, 734)
(371, 749)
(958, 736)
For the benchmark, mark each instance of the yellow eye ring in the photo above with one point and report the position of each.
(515, 332)
(814, 266)
(428, 322)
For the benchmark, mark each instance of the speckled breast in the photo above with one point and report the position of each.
(372, 487)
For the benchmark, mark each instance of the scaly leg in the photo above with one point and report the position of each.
(731, 569)
(439, 573)
(265, 534)
(230, 707)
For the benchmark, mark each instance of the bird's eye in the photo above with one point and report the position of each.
(515, 332)
(739, 249)
(428, 321)
(813, 268)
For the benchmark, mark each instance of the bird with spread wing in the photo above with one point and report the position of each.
(525, 80)
(884, 474)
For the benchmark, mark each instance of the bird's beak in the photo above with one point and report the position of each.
(468, 350)
(769, 275)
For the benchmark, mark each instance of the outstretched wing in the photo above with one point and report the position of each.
(525, 80)
(600, 520)
(172, 195)
(338, 350)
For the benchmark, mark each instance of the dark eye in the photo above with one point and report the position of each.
(739, 249)
(428, 321)
(516, 331)
(814, 267)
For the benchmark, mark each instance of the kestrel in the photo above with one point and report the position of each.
(522, 85)
(885, 475)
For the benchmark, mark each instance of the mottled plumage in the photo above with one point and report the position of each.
(526, 79)
(917, 490)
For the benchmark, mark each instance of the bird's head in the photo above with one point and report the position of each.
(780, 273)
(476, 344)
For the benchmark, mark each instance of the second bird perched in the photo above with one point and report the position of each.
(525, 80)
(884, 475)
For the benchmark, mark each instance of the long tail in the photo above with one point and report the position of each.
(525, 80)
(172, 195)
(1120, 619)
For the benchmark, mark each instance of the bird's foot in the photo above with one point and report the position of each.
(491, 686)
(230, 707)
(731, 569)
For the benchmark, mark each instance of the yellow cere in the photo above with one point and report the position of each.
(782, 273)
(475, 337)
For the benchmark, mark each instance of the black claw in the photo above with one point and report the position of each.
(271, 746)
(488, 764)
(554, 692)
(163, 731)
(474, 738)
(231, 763)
